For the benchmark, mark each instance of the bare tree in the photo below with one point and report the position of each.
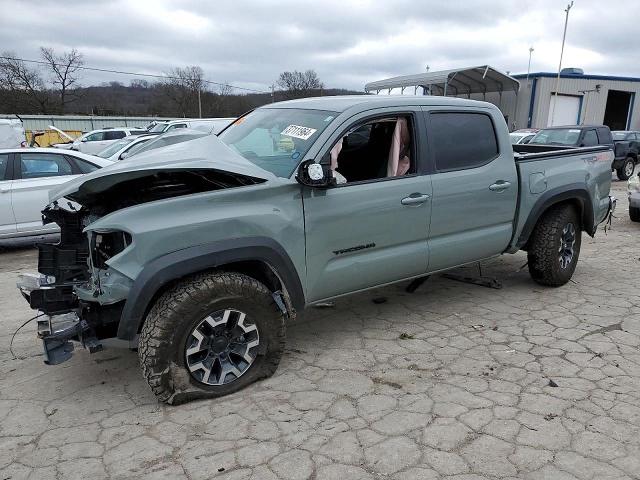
(297, 84)
(64, 69)
(25, 83)
(182, 87)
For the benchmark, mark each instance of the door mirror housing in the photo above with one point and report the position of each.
(315, 175)
(124, 155)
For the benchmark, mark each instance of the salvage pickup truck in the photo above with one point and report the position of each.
(199, 252)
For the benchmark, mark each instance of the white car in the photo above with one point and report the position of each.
(97, 140)
(125, 148)
(207, 125)
(523, 136)
(26, 175)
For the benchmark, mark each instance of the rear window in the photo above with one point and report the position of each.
(446, 133)
(114, 135)
(556, 136)
(604, 135)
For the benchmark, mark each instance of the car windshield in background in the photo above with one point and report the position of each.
(619, 135)
(276, 139)
(159, 128)
(168, 139)
(114, 147)
(556, 136)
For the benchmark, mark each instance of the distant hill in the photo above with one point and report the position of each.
(146, 99)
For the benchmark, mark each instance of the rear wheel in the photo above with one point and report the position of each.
(634, 214)
(626, 170)
(210, 335)
(555, 246)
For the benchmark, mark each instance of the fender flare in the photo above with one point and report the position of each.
(573, 192)
(172, 266)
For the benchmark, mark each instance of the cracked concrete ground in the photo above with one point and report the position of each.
(524, 382)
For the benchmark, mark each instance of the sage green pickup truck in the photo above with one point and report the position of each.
(199, 252)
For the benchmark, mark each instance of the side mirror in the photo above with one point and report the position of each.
(314, 174)
(124, 155)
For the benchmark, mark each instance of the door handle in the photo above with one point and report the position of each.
(415, 199)
(499, 186)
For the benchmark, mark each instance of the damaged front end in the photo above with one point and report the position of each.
(78, 287)
(70, 279)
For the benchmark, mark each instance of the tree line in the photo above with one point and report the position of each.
(52, 86)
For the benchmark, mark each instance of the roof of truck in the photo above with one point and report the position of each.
(344, 102)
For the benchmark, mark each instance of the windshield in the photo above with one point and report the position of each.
(276, 139)
(159, 128)
(137, 147)
(166, 140)
(619, 135)
(114, 147)
(557, 136)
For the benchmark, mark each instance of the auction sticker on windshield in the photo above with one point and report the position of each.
(296, 131)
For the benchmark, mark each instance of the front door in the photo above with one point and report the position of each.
(35, 175)
(7, 219)
(367, 231)
(475, 187)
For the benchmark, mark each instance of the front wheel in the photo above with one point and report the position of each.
(626, 170)
(555, 246)
(210, 335)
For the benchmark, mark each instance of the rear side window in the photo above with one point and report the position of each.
(4, 164)
(604, 135)
(114, 135)
(38, 165)
(590, 138)
(462, 140)
(85, 167)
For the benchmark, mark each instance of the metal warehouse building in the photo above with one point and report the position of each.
(527, 100)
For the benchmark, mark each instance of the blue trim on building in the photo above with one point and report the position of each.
(582, 77)
(531, 102)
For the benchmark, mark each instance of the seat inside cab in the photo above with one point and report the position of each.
(378, 149)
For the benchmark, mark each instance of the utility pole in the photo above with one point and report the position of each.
(529, 67)
(273, 93)
(199, 102)
(564, 36)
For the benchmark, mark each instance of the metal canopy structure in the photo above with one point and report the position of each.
(460, 81)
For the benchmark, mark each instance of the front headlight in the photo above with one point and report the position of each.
(634, 184)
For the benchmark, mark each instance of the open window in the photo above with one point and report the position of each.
(378, 149)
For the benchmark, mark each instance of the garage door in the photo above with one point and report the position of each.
(567, 110)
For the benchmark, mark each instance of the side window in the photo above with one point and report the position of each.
(4, 166)
(38, 165)
(114, 135)
(95, 137)
(604, 136)
(462, 140)
(176, 125)
(378, 149)
(590, 138)
(84, 166)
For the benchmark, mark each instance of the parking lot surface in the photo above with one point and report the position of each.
(452, 381)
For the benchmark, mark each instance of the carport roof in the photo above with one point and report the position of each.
(482, 79)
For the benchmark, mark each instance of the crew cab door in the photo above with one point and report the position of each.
(34, 175)
(7, 219)
(368, 232)
(475, 186)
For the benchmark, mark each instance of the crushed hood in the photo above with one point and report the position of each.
(207, 153)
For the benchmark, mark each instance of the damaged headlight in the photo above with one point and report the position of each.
(106, 245)
(633, 185)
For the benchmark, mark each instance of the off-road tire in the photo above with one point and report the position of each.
(622, 172)
(546, 240)
(176, 312)
(634, 214)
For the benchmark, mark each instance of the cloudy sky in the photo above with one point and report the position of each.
(348, 42)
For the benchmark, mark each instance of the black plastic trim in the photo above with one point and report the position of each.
(175, 265)
(574, 191)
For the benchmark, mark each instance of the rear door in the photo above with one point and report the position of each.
(35, 175)
(7, 219)
(475, 186)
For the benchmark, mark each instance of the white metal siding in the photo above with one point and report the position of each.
(80, 122)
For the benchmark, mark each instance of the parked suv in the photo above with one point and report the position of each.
(97, 140)
(624, 161)
(627, 146)
(202, 250)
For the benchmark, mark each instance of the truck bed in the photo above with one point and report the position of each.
(548, 172)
